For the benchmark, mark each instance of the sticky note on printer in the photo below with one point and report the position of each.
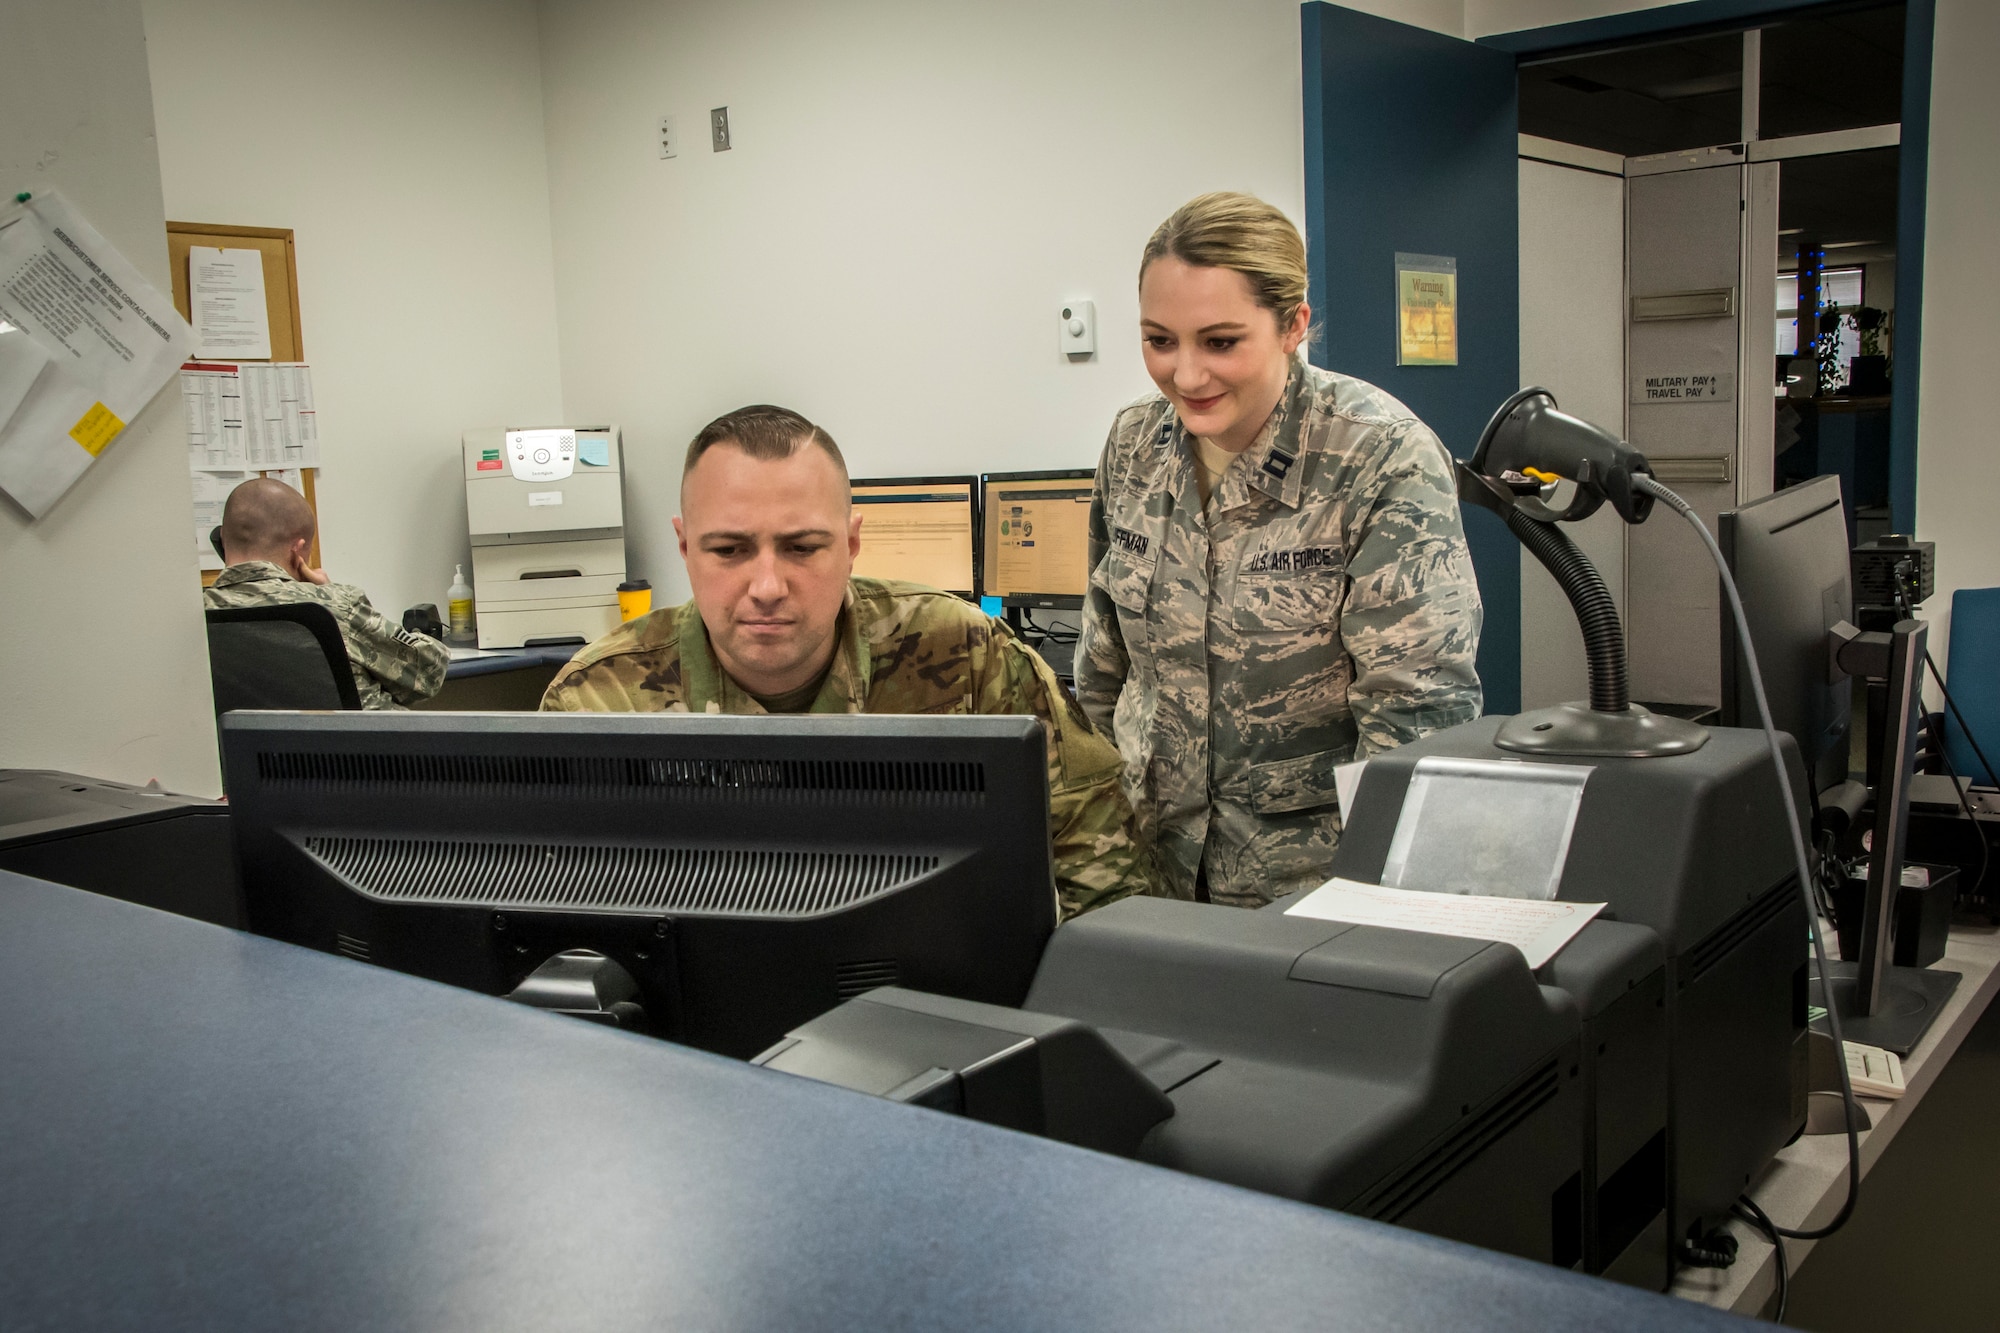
(594, 450)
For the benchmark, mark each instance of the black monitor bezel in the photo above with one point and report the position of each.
(969, 479)
(1034, 601)
(1765, 519)
(989, 945)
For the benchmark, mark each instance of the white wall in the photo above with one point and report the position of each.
(403, 144)
(1573, 344)
(1958, 460)
(914, 190)
(102, 650)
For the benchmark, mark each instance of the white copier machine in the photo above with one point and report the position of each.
(546, 508)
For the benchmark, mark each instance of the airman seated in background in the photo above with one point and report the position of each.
(267, 533)
(777, 624)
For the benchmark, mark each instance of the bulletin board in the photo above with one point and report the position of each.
(281, 300)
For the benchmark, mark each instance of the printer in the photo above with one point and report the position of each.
(546, 509)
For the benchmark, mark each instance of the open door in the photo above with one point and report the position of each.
(1410, 149)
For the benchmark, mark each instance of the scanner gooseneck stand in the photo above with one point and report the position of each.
(1524, 451)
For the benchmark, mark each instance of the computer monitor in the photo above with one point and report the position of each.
(1788, 552)
(1037, 548)
(750, 873)
(920, 530)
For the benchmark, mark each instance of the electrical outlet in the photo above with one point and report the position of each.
(670, 137)
(718, 129)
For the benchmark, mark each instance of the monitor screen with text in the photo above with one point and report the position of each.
(1037, 537)
(919, 530)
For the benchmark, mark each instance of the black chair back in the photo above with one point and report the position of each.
(284, 656)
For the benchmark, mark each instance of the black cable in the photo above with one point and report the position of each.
(1747, 1209)
(1055, 632)
(1802, 863)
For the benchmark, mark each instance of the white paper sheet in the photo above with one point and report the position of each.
(280, 426)
(212, 393)
(1347, 785)
(111, 338)
(226, 294)
(21, 364)
(1538, 929)
(211, 492)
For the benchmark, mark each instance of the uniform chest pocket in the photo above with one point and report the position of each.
(1290, 601)
(1126, 580)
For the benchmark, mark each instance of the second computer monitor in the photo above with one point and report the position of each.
(1788, 553)
(1037, 537)
(920, 530)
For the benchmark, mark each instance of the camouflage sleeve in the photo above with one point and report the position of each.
(620, 684)
(579, 690)
(1101, 660)
(1411, 621)
(409, 666)
(1098, 857)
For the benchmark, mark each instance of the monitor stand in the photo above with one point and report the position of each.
(1909, 1000)
(1881, 1004)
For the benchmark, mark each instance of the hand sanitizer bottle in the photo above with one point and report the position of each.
(460, 596)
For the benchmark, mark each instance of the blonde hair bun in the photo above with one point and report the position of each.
(1242, 233)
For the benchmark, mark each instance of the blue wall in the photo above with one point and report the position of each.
(1411, 146)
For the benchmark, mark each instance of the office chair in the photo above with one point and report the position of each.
(1974, 662)
(286, 656)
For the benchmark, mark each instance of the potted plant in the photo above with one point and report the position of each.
(1826, 347)
(1868, 373)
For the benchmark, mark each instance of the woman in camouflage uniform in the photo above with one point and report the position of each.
(1279, 581)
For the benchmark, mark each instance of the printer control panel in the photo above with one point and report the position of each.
(542, 455)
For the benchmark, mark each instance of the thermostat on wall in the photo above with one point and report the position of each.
(1079, 328)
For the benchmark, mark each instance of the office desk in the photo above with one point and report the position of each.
(507, 680)
(1806, 1184)
(202, 1129)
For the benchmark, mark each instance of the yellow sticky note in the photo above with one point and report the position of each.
(96, 428)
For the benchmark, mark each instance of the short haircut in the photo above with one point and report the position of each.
(763, 432)
(263, 517)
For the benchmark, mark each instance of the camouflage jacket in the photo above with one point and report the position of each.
(903, 648)
(392, 666)
(1322, 609)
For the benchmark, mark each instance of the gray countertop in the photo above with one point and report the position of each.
(205, 1129)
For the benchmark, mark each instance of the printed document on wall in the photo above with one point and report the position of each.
(211, 492)
(212, 393)
(101, 342)
(281, 426)
(226, 294)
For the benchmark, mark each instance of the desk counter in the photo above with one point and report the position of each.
(202, 1129)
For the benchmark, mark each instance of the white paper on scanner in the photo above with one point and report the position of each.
(1538, 929)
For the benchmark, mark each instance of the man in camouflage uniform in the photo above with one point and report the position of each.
(267, 534)
(1321, 609)
(777, 624)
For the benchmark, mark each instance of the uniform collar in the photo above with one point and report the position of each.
(252, 571)
(1271, 463)
(710, 689)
